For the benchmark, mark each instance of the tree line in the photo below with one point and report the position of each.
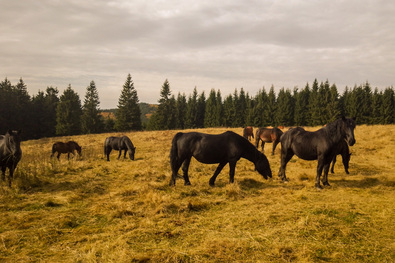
(49, 114)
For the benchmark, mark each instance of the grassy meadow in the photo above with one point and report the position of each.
(91, 210)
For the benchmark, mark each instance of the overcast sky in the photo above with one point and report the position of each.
(207, 44)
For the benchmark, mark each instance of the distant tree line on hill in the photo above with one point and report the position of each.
(311, 106)
(47, 114)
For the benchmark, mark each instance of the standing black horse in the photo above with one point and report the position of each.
(120, 144)
(268, 135)
(223, 148)
(10, 153)
(319, 145)
(344, 151)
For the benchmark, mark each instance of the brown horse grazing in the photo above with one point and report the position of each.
(268, 135)
(68, 147)
(248, 132)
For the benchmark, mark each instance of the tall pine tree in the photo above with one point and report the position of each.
(91, 120)
(68, 113)
(128, 114)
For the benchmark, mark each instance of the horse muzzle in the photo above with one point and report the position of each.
(351, 141)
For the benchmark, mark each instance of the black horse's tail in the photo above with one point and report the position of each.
(174, 152)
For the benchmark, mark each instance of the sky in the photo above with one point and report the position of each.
(222, 45)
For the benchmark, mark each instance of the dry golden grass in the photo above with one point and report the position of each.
(91, 210)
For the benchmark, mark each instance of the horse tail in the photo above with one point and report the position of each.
(53, 149)
(174, 151)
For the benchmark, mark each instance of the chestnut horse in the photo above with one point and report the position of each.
(268, 135)
(248, 132)
(68, 147)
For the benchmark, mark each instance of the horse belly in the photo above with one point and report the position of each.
(306, 153)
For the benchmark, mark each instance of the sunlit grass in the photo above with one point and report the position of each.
(90, 210)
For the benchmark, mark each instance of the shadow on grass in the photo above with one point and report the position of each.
(368, 182)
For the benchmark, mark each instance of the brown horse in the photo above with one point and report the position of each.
(68, 147)
(248, 132)
(268, 135)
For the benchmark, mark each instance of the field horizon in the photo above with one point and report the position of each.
(89, 210)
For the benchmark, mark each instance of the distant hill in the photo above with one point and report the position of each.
(146, 111)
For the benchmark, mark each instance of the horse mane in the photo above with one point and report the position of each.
(334, 130)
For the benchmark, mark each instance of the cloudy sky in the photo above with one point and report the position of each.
(207, 44)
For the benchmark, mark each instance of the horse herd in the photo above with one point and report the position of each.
(322, 145)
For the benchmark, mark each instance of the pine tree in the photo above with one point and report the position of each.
(261, 100)
(285, 108)
(333, 107)
(165, 116)
(210, 112)
(270, 109)
(301, 114)
(50, 104)
(192, 109)
(218, 110)
(68, 113)
(201, 108)
(128, 114)
(91, 120)
(314, 106)
(181, 111)
(228, 111)
(388, 111)
(377, 107)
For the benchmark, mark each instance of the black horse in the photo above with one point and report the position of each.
(223, 148)
(120, 144)
(319, 145)
(10, 153)
(344, 151)
(68, 147)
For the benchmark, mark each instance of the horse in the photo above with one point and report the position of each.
(319, 145)
(68, 147)
(120, 144)
(344, 151)
(224, 148)
(268, 135)
(10, 153)
(248, 132)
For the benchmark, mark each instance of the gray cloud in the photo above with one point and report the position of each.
(221, 45)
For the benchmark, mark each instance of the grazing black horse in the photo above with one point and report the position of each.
(120, 144)
(224, 148)
(344, 151)
(319, 145)
(10, 153)
(68, 147)
(268, 135)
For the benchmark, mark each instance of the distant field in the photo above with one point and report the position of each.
(91, 210)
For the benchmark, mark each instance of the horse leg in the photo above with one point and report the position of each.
(58, 155)
(286, 155)
(10, 175)
(274, 147)
(325, 176)
(333, 164)
(232, 167)
(257, 142)
(124, 154)
(217, 171)
(119, 155)
(185, 168)
(320, 166)
(263, 146)
(174, 174)
(107, 153)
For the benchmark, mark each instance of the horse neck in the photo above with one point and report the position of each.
(335, 133)
(251, 153)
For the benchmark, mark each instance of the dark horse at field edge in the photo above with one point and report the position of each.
(119, 144)
(344, 151)
(224, 148)
(268, 135)
(248, 132)
(66, 147)
(319, 145)
(10, 153)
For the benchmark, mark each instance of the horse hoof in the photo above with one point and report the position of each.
(326, 184)
(318, 187)
(187, 183)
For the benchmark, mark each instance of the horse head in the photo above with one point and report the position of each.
(131, 152)
(13, 140)
(262, 166)
(348, 128)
